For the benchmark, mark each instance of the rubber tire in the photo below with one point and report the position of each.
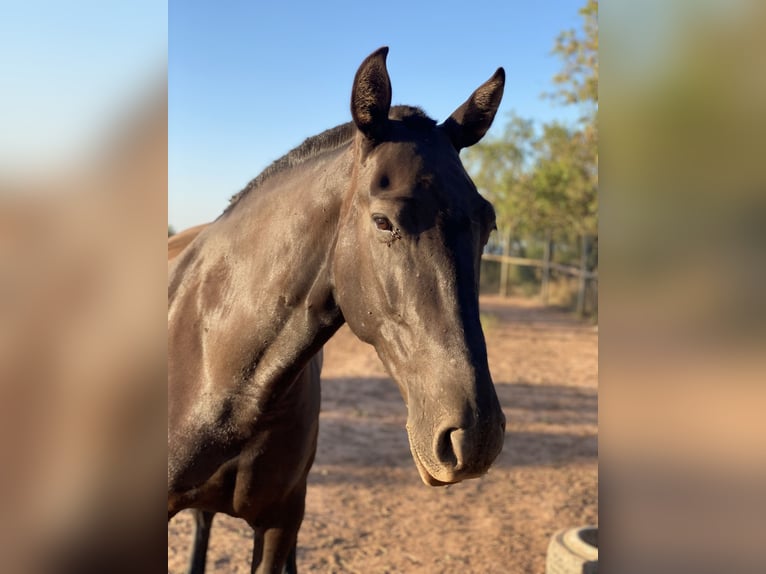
(573, 551)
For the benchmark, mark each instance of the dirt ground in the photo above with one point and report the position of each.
(367, 510)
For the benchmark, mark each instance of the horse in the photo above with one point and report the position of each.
(179, 241)
(308, 383)
(374, 223)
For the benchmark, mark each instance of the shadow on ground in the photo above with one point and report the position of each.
(362, 426)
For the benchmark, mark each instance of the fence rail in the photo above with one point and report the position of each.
(586, 290)
(569, 269)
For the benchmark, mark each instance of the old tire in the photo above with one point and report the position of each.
(573, 551)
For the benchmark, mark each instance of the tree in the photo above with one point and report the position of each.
(543, 181)
(562, 183)
(578, 85)
(499, 169)
(578, 80)
(547, 180)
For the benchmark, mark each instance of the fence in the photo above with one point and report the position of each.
(555, 283)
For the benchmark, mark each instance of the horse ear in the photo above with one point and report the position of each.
(468, 124)
(371, 96)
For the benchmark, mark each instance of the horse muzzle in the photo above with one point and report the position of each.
(457, 453)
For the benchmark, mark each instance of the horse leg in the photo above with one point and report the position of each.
(203, 521)
(291, 566)
(274, 547)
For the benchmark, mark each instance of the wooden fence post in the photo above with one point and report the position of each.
(546, 269)
(504, 264)
(583, 275)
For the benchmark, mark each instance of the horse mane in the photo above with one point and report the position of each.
(328, 140)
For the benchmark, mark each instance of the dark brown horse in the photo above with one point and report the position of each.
(375, 223)
(179, 241)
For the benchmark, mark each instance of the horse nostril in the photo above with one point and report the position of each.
(445, 451)
(450, 448)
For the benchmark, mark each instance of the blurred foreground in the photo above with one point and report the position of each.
(82, 355)
(683, 275)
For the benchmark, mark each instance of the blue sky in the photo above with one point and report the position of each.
(248, 81)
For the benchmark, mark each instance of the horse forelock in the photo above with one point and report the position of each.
(412, 117)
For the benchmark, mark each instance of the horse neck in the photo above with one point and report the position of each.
(252, 300)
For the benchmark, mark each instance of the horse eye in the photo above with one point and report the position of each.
(382, 222)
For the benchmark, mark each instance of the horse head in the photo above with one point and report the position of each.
(406, 269)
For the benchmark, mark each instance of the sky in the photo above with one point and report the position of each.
(248, 81)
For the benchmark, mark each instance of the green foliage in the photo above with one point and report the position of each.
(577, 84)
(543, 182)
(564, 182)
(540, 182)
(499, 169)
(578, 81)
(171, 231)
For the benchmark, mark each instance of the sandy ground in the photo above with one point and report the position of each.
(367, 510)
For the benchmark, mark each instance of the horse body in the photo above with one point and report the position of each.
(266, 482)
(180, 240)
(260, 468)
(240, 344)
(374, 223)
